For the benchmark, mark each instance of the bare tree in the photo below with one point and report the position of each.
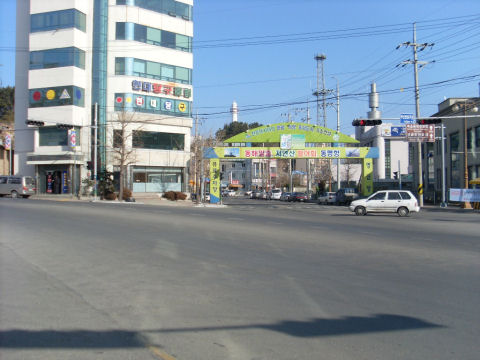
(123, 154)
(348, 170)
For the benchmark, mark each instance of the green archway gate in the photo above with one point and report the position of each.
(290, 141)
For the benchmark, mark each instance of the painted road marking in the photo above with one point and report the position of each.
(160, 354)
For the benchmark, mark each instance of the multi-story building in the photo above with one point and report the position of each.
(461, 119)
(131, 57)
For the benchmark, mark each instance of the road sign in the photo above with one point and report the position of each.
(407, 119)
(422, 133)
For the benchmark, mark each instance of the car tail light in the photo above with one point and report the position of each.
(25, 188)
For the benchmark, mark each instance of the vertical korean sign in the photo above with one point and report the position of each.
(367, 178)
(214, 181)
(72, 138)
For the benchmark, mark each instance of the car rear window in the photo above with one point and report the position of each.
(29, 181)
(394, 196)
(405, 195)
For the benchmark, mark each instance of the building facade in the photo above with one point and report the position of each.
(133, 58)
(461, 119)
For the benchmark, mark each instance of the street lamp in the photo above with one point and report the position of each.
(473, 108)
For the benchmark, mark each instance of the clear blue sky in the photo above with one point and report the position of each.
(261, 52)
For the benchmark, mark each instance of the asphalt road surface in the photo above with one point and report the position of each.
(256, 280)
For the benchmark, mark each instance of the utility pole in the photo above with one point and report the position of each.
(95, 120)
(338, 131)
(415, 63)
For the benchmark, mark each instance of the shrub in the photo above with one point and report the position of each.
(111, 196)
(127, 193)
(169, 195)
(180, 196)
(174, 195)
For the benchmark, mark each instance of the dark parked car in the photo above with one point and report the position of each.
(298, 196)
(345, 196)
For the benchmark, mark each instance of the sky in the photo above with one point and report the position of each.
(260, 53)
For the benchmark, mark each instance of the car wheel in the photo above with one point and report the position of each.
(14, 194)
(360, 211)
(403, 211)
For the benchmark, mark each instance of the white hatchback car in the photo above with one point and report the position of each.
(400, 201)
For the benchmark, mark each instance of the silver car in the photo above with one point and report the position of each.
(17, 185)
(400, 201)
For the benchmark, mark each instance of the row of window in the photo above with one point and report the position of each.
(170, 7)
(154, 36)
(152, 104)
(57, 96)
(53, 58)
(473, 139)
(151, 140)
(152, 70)
(55, 20)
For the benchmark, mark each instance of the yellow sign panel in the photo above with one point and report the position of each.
(367, 177)
(214, 181)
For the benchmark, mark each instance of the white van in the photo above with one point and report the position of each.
(17, 185)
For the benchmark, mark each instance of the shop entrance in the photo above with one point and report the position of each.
(54, 181)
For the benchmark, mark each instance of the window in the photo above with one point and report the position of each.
(394, 196)
(120, 66)
(63, 19)
(139, 67)
(53, 58)
(170, 7)
(477, 137)
(53, 136)
(153, 36)
(470, 138)
(118, 138)
(57, 96)
(157, 140)
(454, 142)
(379, 196)
(120, 31)
(153, 70)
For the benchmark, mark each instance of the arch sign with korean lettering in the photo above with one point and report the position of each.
(290, 141)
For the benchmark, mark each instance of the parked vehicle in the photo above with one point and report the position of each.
(285, 196)
(345, 196)
(298, 196)
(275, 194)
(17, 185)
(327, 198)
(400, 201)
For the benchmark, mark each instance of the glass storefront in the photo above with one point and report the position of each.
(157, 179)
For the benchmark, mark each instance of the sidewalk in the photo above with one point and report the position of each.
(141, 200)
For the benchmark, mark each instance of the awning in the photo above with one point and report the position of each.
(235, 186)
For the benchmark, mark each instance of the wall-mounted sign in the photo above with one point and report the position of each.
(155, 88)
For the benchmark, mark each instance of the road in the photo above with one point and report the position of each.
(255, 280)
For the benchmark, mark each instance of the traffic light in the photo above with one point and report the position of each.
(34, 123)
(363, 122)
(64, 126)
(429, 121)
(395, 175)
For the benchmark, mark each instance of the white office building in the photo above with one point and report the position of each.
(131, 57)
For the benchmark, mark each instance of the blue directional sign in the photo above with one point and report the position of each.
(407, 119)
